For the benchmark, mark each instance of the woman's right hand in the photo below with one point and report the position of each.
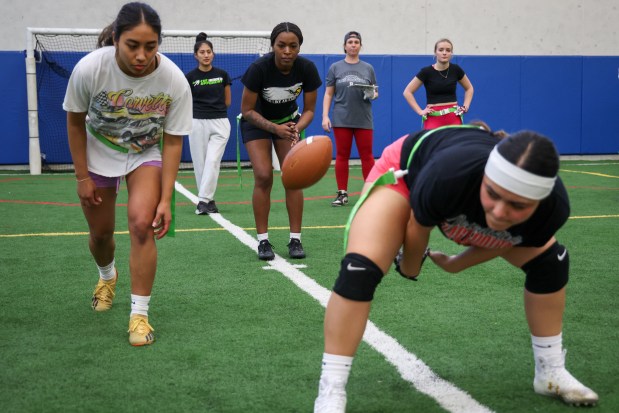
(426, 110)
(288, 131)
(326, 124)
(87, 192)
(444, 261)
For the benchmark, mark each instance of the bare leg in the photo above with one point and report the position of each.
(375, 235)
(260, 156)
(345, 322)
(144, 186)
(101, 224)
(545, 318)
(545, 312)
(294, 197)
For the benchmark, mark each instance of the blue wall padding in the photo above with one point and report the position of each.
(600, 97)
(551, 99)
(498, 80)
(14, 109)
(572, 99)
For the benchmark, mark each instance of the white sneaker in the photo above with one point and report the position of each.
(552, 379)
(331, 397)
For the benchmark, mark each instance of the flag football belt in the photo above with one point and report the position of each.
(391, 176)
(441, 112)
(238, 135)
(112, 145)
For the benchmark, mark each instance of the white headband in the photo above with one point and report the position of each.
(517, 180)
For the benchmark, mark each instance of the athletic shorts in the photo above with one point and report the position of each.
(114, 181)
(251, 132)
(390, 158)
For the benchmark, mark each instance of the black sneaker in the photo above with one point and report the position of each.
(265, 250)
(295, 249)
(202, 208)
(341, 199)
(211, 208)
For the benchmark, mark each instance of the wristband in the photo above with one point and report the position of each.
(82, 180)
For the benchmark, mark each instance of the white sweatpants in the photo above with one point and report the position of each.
(207, 143)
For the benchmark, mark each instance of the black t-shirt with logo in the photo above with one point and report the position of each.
(208, 91)
(445, 177)
(278, 92)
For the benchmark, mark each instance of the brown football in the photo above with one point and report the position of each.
(307, 162)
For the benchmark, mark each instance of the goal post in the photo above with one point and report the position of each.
(51, 54)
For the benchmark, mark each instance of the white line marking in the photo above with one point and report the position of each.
(297, 266)
(411, 368)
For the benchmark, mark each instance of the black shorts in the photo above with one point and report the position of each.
(251, 132)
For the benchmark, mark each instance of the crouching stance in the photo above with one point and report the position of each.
(499, 198)
(128, 107)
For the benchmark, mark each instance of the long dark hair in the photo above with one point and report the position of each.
(286, 27)
(200, 40)
(532, 152)
(130, 16)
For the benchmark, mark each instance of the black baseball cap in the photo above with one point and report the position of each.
(352, 34)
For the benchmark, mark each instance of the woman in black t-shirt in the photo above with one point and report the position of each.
(210, 88)
(440, 81)
(499, 198)
(270, 118)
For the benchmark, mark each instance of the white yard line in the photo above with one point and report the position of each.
(411, 368)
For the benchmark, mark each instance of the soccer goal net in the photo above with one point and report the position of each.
(51, 55)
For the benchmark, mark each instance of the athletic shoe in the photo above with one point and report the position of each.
(552, 379)
(341, 199)
(211, 208)
(140, 332)
(104, 293)
(202, 208)
(205, 208)
(331, 397)
(295, 249)
(265, 250)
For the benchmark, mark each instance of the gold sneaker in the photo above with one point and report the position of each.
(104, 293)
(140, 332)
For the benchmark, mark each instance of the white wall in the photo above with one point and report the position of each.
(477, 27)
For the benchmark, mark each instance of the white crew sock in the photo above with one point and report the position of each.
(335, 368)
(108, 272)
(139, 304)
(295, 235)
(262, 237)
(547, 346)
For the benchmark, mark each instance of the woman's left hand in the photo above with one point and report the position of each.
(460, 110)
(163, 218)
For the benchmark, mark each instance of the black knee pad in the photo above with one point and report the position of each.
(548, 272)
(358, 278)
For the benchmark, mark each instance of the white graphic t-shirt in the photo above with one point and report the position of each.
(127, 116)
